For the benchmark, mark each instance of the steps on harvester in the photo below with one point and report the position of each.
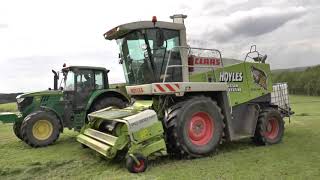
(97, 140)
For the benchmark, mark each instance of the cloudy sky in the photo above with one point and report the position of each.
(37, 36)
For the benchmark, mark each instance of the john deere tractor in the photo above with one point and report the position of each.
(43, 115)
(187, 101)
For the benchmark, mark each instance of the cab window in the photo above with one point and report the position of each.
(85, 80)
(99, 80)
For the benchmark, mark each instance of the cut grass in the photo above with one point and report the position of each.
(297, 157)
(8, 107)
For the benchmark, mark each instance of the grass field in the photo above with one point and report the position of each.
(8, 107)
(297, 157)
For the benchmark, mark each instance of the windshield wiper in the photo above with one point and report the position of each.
(152, 68)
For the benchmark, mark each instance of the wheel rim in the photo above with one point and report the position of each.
(201, 128)
(42, 129)
(272, 130)
(138, 168)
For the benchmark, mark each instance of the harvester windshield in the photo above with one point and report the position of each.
(144, 54)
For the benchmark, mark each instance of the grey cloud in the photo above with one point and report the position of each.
(254, 22)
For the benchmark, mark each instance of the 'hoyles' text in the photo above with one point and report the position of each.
(231, 76)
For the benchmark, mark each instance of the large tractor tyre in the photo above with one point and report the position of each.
(40, 129)
(194, 127)
(17, 129)
(270, 127)
(107, 102)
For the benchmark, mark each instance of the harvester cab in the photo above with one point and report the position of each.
(187, 100)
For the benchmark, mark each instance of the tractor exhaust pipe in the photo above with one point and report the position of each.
(178, 18)
(55, 80)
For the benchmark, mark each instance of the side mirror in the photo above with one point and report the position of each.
(159, 37)
(120, 59)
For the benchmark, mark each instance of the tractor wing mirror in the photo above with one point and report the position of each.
(120, 59)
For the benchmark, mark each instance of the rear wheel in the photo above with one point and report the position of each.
(104, 103)
(17, 129)
(194, 127)
(107, 102)
(270, 127)
(40, 129)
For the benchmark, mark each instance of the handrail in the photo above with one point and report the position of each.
(189, 49)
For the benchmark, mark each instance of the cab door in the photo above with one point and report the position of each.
(85, 85)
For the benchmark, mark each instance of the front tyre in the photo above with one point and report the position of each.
(194, 127)
(40, 129)
(270, 127)
(17, 129)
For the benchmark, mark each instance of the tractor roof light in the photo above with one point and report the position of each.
(154, 20)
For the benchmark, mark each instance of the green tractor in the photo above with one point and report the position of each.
(187, 101)
(43, 115)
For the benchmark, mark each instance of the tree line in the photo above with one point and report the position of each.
(306, 82)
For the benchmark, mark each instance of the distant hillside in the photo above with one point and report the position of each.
(6, 98)
(229, 61)
(296, 69)
(300, 81)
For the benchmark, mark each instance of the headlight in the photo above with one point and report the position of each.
(24, 102)
(19, 100)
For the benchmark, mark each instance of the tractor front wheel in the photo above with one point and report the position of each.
(40, 129)
(270, 127)
(17, 129)
(194, 127)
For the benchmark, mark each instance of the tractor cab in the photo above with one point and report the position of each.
(79, 82)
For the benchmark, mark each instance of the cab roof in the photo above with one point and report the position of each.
(123, 29)
(85, 67)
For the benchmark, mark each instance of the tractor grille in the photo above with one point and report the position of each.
(25, 103)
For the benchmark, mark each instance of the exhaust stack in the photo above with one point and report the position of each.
(178, 18)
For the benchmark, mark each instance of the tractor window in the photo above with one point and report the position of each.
(85, 80)
(69, 81)
(99, 80)
(173, 42)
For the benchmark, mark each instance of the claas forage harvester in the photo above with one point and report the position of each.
(187, 101)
